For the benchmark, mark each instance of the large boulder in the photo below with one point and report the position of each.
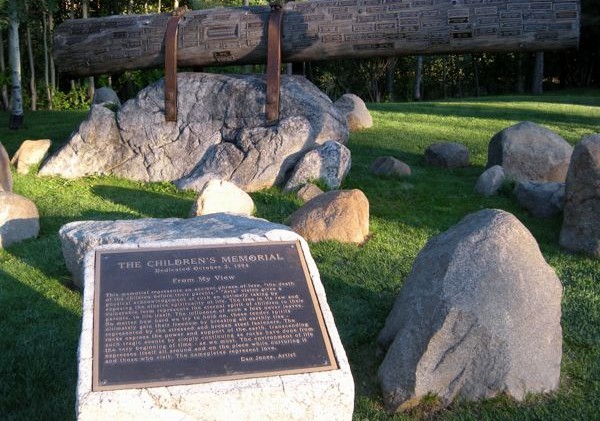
(528, 151)
(222, 196)
(447, 155)
(341, 215)
(329, 163)
(542, 200)
(106, 95)
(356, 112)
(581, 224)
(490, 181)
(479, 315)
(19, 219)
(220, 132)
(6, 182)
(29, 154)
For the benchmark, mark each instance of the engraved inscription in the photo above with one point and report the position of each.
(166, 316)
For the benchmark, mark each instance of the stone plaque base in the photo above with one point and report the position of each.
(325, 395)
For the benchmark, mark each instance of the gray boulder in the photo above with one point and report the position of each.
(329, 163)
(356, 112)
(528, 151)
(220, 132)
(542, 200)
(479, 315)
(490, 181)
(106, 95)
(447, 155)
(19, 219)
(390, 167)
(77, 238)
(6, 181)
(581, 223)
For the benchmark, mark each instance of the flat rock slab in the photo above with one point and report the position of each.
(479, 315)
(581, 222)
(325, 395)
(220, 132)
(528, 151)
(447, 155)
(19, 219)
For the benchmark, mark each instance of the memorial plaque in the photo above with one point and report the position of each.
(171, 316)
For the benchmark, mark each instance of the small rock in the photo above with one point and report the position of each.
(356, 112)
(30, 153)
(490, 181)
(390, 167)
(447, 155)
(478, 316)
(581, 223)
(6, 182)
(542, 200)
(222, 196)
(528, 151)
(308, 191)
(106, 95)
(329, 163)
(341, 215)
(19, 219)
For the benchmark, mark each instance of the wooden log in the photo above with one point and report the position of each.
(319, 30)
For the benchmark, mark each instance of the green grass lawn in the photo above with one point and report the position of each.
(40, 313)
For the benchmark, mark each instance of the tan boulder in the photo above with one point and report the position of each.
(308, 191)
(356, 112)
(5, 174)
(222, 196)
(19, 219)
(30, 153)
(341, 215)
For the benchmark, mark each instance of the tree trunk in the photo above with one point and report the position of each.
(418, 86)
(52, 66)
(32, 86)
(46, 62)
(5, 100)
(315, 30)
(476, 74)
(14, 55)
(85, 6)
(520, 74)
(537, 82)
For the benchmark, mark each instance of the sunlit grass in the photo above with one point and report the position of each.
(40, 313)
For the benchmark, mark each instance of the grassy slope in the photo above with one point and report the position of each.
(39, 314)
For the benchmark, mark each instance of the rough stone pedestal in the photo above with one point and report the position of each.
(326, 395)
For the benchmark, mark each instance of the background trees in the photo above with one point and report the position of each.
(374, 80)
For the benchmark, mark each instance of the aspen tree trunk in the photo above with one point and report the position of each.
(85, 6)
(32, 87)
(46, 62)
(418, 87)
(5, 100)
(14, 55)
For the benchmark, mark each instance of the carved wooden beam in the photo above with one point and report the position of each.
(319, 30)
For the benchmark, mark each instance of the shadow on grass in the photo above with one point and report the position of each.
(152, 204)
(491, 112)
(38, 362)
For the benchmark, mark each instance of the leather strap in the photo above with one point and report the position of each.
(273, 63)
(171, 64)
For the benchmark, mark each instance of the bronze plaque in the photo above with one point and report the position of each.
(171, 316)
